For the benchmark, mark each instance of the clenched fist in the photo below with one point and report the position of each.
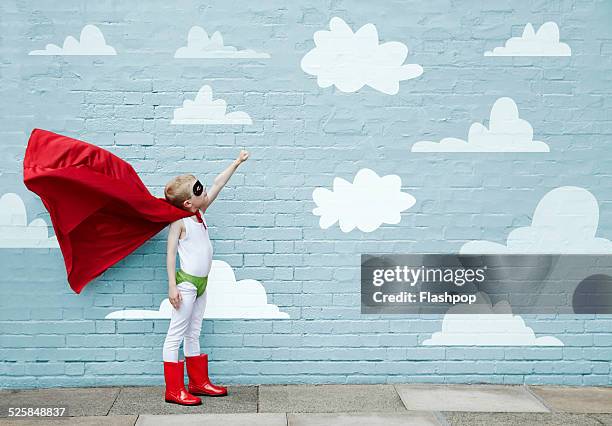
(243, 156)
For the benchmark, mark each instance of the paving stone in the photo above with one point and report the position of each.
(604, 419)
(576, 399)
(150, 400)
(328, 398)
(491, 398)
(79, 401)
(70, 421)
(519, 419)
(239, 419)
(413, 418)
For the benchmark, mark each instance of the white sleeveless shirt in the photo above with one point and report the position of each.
(195, 250)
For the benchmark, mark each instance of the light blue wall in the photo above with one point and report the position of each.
(301, 138)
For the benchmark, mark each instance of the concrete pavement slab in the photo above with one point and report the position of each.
(571, 399)
(519, 419)
(492, 398)
(79, 401)
(239, 419)
(328, 398)
(413, 418)
(604, 419)
(150, 400)
(74, 421)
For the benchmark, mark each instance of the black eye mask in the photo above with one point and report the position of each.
(198, 188)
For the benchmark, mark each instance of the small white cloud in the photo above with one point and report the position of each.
(506, 133)
(226, 299)
(199, 45)
(91, 42)
(486, 325)
(543, 43)
(366, 203)
(205, 110)
(14, 229)
(565, 221)
(351, 60)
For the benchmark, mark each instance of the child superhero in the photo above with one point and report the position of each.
(101, 212)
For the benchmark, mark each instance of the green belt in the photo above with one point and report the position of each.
(199, 282)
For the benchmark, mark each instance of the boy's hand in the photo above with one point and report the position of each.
(174, 296)
(243, 156)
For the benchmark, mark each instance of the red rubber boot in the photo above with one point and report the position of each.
(199, 383)
(175, 385)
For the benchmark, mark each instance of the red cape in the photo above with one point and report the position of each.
(100, 209)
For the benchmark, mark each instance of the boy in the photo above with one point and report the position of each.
(186, 287)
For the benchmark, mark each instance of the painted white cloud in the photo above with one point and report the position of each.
(15, 232)
(91, 42)
(545, 42)
(351, 60)
(366, 203)
(484, 325)
(565, 221)
(199, 45)
(204, 110)
(164, 312)
(226, 299)
(506, 133)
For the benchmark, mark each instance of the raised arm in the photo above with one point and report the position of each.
(223, 177)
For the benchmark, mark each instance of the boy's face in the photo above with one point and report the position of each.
(196, 201)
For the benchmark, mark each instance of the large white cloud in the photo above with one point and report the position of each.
(226, 299)
(199, 45)
(565, 221)
(164, 312)
(14, 229)
(543, 43)
(91, 42)
(506, 133)
(484, 325)
(366, 203)
(204, 110)
(351, 60)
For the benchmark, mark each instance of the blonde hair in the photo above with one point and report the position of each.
(179, 189)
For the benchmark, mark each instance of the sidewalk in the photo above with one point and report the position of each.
(310, 405)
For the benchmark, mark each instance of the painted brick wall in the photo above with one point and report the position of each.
(302, 137)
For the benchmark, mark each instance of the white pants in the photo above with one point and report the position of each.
(185, 324)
